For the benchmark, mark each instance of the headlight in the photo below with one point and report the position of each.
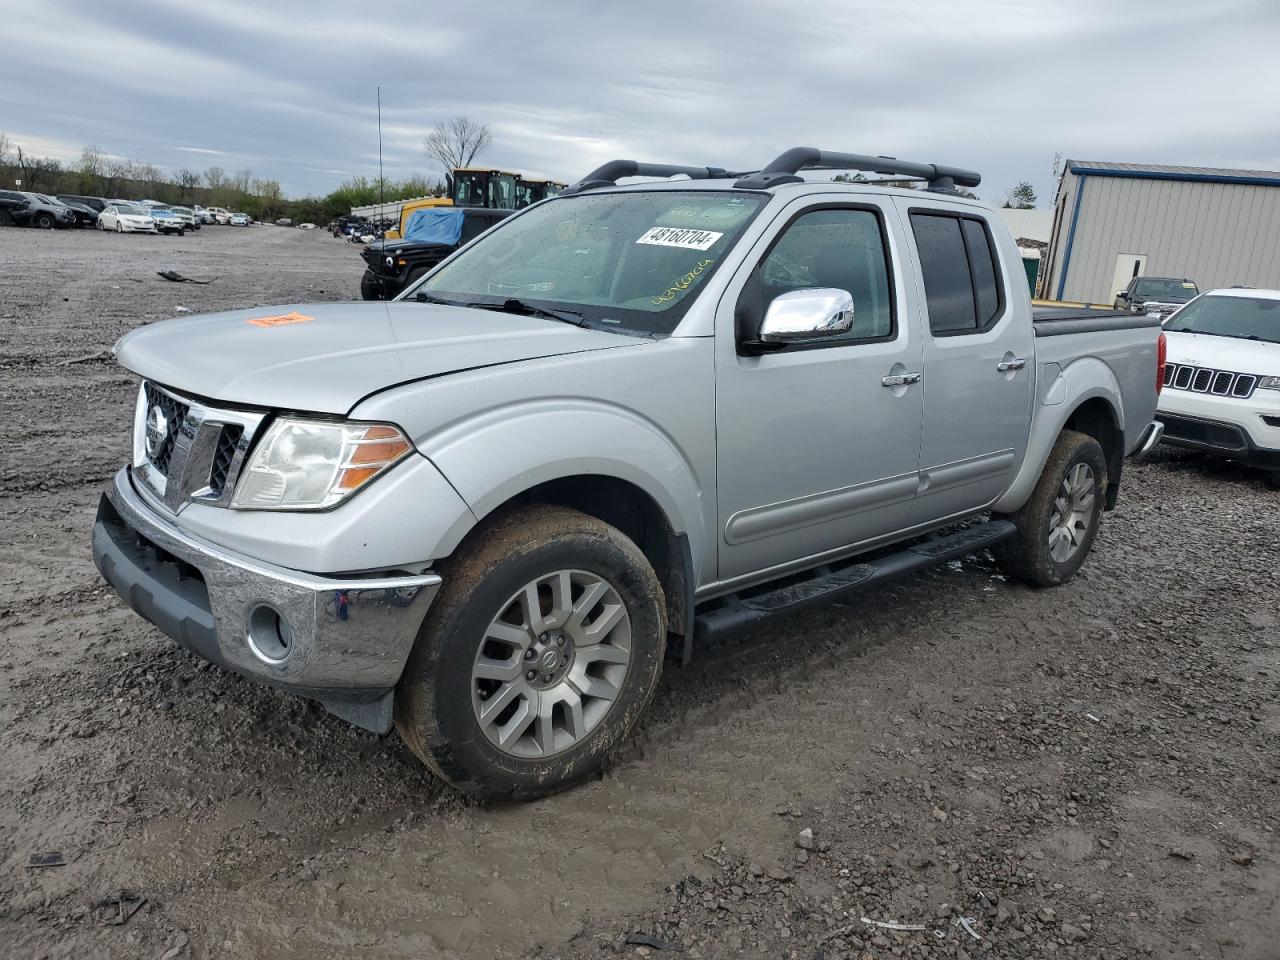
(314, 464)
(1269, 383)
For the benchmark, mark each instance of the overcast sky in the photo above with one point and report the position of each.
(287, 88)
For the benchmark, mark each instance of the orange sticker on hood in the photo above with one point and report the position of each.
(292, 317)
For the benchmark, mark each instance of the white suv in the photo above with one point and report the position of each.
(1222, 379)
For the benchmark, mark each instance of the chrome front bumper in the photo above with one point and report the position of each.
(341, 640)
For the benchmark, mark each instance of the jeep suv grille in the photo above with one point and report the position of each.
(1220, 383)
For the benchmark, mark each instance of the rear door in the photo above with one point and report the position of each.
(978, 361)
(815, 452)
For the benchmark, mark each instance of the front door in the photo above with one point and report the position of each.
(814, 451)
(978, 363)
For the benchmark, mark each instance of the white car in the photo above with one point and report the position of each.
(240, 220)
(220, 215)
(126, 218)
(1222, 377)
(203, 214)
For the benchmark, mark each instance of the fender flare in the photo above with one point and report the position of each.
(495, 455)
(1077, 383)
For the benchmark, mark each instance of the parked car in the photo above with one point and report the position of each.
(187, 216)
(284, 222)
(1161, 295)
(86, 209)
(13, 208)
(37, 210)
(124, 217)
(203, 214)
(240, 220)
(1222, 380)
(167, 221)
(671, 407)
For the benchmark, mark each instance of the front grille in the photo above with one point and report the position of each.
(1220, 383)
(228, 440)
(174, 412)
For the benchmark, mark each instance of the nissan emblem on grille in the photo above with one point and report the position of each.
(157, 431)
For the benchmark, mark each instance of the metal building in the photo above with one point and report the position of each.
(1116, 221)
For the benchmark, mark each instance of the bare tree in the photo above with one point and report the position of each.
(188, 180)
(37, 171)
(118, 173)
(6, 145)
(457, 142)
(215, 177)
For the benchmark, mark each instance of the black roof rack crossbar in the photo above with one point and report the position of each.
(610, 173)
(784, 167)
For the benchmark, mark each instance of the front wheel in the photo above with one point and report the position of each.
(1057, 525)
(538, 656)
(44, 221)
(370, 286)
(1273, 479)
(119, 227)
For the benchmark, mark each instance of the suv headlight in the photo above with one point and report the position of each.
(314, 464)
(1269, 383)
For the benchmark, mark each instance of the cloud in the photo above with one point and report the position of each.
(288, 89)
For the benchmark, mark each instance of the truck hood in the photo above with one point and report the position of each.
(326, 357)
(1224, 353)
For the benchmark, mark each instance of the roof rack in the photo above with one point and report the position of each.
(784, 167)
(610, 173)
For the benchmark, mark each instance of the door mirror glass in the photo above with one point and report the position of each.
(799, 316)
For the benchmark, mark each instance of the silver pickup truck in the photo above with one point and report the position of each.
(622, 419)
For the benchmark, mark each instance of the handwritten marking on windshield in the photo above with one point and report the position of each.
(683, 284)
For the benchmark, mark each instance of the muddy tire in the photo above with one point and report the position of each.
(1057, 525)
(537, 658)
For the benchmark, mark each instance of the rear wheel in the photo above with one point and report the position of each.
(1273, 479)
(1057, 525)
(538, 656)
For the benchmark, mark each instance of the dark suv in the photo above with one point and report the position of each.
(37, 210)
(1161, 295)
(86, 209)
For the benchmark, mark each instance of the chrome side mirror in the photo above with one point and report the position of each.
(799, 316)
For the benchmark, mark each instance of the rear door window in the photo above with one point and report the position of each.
(961, 273)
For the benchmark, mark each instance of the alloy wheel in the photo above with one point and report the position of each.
(1072, 513)
(551, 664)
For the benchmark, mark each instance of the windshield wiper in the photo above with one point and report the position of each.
(514, 305)
(424, 297)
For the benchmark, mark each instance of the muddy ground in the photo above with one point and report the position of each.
(1090, 771)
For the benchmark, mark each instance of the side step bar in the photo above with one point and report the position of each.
(736, 611)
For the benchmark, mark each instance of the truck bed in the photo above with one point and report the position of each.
(1056, 321)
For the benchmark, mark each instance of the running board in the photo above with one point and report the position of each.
(734, 612)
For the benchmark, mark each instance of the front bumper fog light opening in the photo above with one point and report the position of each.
(269, 634)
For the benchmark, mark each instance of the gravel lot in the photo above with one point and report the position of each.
(1084, 772)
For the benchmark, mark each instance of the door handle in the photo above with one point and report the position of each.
(1004, 366)
(900, 380)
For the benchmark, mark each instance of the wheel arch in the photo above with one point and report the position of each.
(1084, 396)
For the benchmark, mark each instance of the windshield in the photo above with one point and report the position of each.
(627, 260)
(130, 209)
(1250, 318)
(1178, 291)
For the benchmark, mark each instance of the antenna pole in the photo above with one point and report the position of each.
(382, 183)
